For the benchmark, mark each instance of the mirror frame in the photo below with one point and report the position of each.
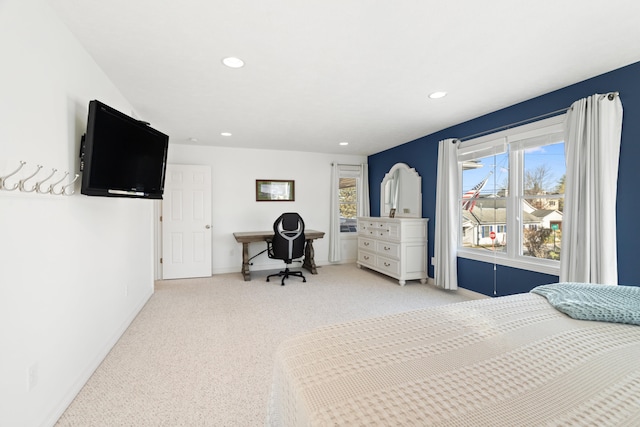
(412, 196)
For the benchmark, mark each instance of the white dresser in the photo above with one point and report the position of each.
(396, 247)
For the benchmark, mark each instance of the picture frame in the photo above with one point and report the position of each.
(275, 190)
(392, 213)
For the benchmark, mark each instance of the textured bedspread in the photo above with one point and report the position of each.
(510, 361)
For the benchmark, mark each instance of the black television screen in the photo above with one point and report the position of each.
(122, 156)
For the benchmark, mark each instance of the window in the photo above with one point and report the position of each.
(348, 202)
(514, 180)
(348, 188)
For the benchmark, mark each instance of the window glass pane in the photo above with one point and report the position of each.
(541, 228)
(348, 197)
(484, 224)
(484, 209)
(543, 203)
(485, 177)
(544, 169)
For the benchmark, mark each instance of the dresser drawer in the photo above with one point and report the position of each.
(393, 231)
(388, 230)
(388, 249)
(366, 258)
(388, 265)
(366, 244)
(371, 230)
(367, 228)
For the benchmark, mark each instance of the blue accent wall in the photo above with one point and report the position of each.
(422, 154)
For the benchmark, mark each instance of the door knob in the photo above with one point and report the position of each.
(207, 226)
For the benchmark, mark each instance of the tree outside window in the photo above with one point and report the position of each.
(348, 205)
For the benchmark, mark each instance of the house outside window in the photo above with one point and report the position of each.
(514, 180)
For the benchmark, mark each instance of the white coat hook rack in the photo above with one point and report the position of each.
(24, 180)
(39, 187)
(3, 180)
(58, 193)
(70, 185)
(39, 184)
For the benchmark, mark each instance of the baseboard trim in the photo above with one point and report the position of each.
(82, 379)
(274, 266)
(465, 292)
(471, 294)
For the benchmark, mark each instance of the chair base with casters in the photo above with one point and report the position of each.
(285, 275)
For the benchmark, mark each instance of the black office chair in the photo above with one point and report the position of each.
(287, 243)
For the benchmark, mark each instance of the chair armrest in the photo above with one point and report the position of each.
(270, 253)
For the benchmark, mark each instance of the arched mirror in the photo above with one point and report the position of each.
(401, 189)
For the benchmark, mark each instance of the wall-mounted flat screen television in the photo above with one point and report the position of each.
(122, 156)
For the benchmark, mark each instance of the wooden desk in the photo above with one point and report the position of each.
(246, 237)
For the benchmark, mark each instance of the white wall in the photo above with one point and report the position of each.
(234, 174)
(75, 270)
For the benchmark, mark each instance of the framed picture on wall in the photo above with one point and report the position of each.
(275, 190)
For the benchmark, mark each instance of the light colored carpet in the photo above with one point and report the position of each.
(200, 353)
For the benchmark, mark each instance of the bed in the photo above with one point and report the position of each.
(508, 361)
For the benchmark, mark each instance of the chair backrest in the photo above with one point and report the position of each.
(288, 237)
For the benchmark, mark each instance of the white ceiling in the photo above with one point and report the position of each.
(319, 72)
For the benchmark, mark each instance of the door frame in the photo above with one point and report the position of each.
(157, 240)
(158, 234)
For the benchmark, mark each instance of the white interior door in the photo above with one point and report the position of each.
(186, 222)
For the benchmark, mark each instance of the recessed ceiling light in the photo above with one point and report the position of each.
(233, 62)
(225, 133)
(193, 140)
(439, 94)
(344, 143)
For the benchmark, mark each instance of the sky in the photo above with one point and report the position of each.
(552, 156)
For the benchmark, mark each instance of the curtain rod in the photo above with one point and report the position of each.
(510, 125)
(343, 164)
(610, 96)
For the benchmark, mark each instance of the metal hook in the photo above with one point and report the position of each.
(24, 180)
(39, 184)
(51, 189)
(3, 180)
(64, 189)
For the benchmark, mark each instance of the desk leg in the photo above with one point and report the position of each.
(245, 262)
(309, 263)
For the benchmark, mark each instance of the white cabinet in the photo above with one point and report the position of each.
(396, 247)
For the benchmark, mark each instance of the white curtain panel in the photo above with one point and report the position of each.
(446, 217)
(592, 147)
(334, 218)
(363, 195)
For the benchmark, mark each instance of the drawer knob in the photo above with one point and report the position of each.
(366, 243)
(386, 264)
(366, 257)
(386, 248)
